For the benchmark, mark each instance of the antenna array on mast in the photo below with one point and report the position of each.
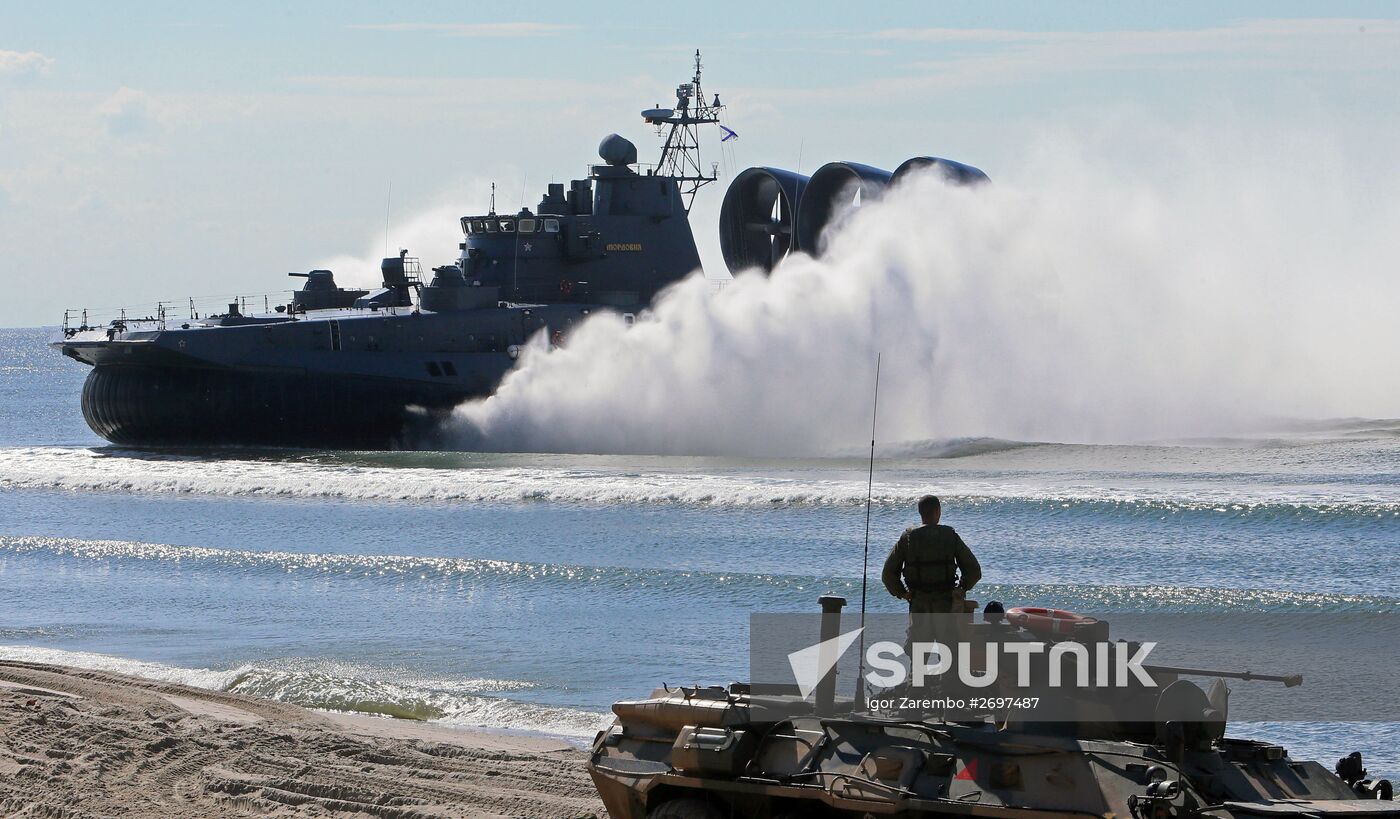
(680, 155)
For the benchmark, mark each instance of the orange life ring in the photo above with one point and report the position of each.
(1047, 622)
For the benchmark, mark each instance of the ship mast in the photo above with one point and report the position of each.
(680, 155)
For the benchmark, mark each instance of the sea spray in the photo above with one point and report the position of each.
(1187, 291)
(1347, 476)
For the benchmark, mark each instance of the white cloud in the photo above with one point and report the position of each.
(949, 60)
(960, 35)
(24, 62)
(1150, 39)
(1316, 44)
(127, 112)
(492, 30)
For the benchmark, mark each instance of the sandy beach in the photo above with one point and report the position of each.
(78, 744)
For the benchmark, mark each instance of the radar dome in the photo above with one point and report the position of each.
(617, 150)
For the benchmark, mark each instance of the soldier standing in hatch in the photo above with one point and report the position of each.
(930, 566)
(933, 569)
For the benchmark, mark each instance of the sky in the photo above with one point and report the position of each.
(173, 149)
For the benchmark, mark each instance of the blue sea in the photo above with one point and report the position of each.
(528, 592)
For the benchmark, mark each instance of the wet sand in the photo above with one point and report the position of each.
(78, 744)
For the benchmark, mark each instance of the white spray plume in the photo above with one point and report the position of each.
(432, 233)
(1195, 286)
(429, 231)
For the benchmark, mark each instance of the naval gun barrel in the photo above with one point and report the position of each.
(1288, 680)
(300, 275)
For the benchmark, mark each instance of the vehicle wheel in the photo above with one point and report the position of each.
(685, 809)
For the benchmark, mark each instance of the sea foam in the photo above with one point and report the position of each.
(346, 687)
(768, 485)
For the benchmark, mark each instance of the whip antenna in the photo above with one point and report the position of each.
(865, 564)
(388, 201)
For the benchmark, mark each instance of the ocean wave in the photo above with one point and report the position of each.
(37, 632)
(369, 479)
(1345, 427)
(1299, 433)
(394, 567)
(768, 589)
(1164, 599)
(955, 447)
(212, 679)
(332, 686)
(96, 470)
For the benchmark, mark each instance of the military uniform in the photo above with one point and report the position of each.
(930, 563)
(933, 566)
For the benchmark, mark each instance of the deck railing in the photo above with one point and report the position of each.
(81, 319)
(181, 311)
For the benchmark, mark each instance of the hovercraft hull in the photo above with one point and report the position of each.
(146, 405)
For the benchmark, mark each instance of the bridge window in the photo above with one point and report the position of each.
(527, 225)
(491, 226)
(507, 226)
(466, 225)
(551, 226)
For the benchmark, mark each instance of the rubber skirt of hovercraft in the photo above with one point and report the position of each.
(175, 406)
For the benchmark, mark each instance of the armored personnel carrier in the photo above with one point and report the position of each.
(736, 751)
(330, 367)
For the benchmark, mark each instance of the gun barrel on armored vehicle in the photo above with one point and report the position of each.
(1288, 680)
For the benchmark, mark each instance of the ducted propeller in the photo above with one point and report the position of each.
(768, 213)
(955, 172)
(756, 220)
(836, 188)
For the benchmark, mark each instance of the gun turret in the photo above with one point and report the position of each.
(321, 292)
(316, 279)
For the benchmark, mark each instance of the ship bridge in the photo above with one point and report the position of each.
(615, 238)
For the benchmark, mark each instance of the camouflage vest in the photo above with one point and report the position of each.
(929, 563)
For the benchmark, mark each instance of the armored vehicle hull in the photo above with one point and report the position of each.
(762, 752)
(720, 757)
